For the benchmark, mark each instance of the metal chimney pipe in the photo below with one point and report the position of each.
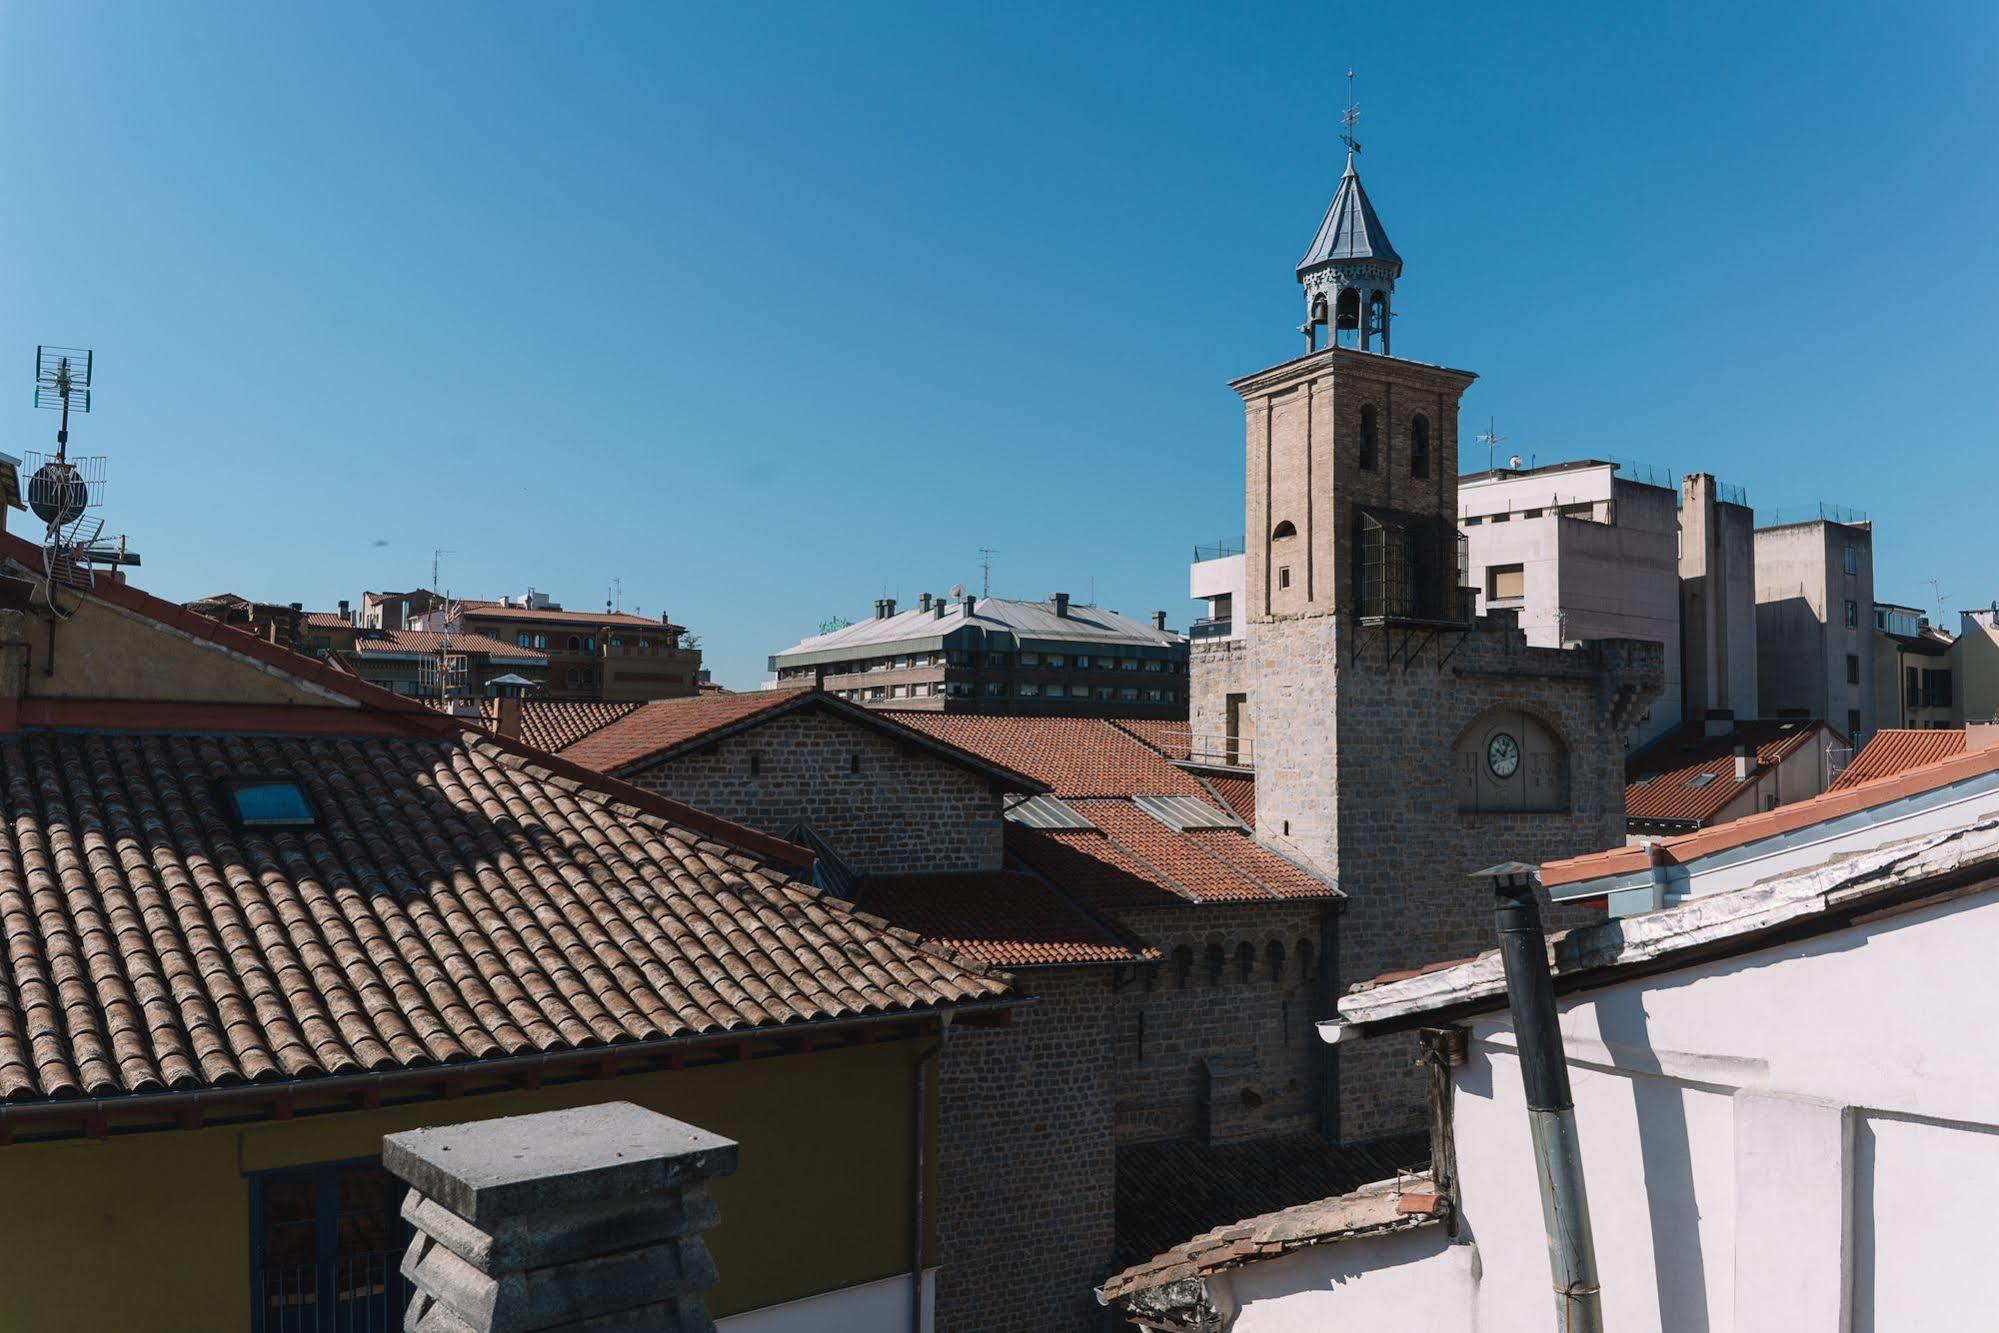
(1551, 1107)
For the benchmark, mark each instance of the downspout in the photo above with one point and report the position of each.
(1551, 1107)
(919, 1143)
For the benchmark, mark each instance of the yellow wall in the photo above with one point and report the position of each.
(151, 1231)
(103, 652)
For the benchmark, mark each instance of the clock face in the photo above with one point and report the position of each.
(1502, 755)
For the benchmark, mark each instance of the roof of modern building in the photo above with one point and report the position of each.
(1894, 750)
(555, 615)
(1350, 230)
(428, 643)
(1174, 1189)
(554, 724)
(1023, 622)
(1688, 777)
(1799, 905)
(1119, 838)
(997, 918)
(1929, 643)
(665, 728)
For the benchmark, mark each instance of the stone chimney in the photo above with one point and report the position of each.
(971, 604)
(345, 614)
(591, 1215)
(1159, 621)
(888, 607)
(1060, 601)
(507, 716)
(1718, 722)
(937, 609)
(1745, 762)
(923, 602)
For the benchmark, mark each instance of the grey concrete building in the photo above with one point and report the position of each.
(1718, 663)
(1815, 623)
(968, 654)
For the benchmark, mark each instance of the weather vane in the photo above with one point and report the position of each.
(1350, 118)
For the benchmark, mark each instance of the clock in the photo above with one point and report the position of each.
(1502, 755)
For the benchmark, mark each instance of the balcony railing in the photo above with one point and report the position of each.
(358, 1293)
(1218, 551)
(1212, 627)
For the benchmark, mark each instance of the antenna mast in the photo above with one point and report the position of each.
(1350, 118)
(1492, 439)
(986, 554)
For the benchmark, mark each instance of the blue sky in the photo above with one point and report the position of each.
(768, 310)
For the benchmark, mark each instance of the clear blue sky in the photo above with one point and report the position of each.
(770, 309)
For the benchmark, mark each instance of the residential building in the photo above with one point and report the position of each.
(1394, 729)
(1718, 629)
(1913, 670)
(398, 610)
(1221, 728)
(301, 912)
(1975, 665)
(1707, 773)
(425, 664)
(274, 622)
(1772, 1088)
(1814, 626)
(592, 655)
(1579, 551)
(996, 655)
(329, 632)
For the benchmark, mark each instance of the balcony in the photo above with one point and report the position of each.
(1211, 627)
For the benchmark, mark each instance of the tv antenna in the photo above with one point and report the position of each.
(63, 489)
(437, 554)
(1350, 118)
(1492, 439)
(986, 554)
(1937, 594)
(615, 595)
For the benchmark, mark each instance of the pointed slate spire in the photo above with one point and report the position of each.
(1351, 230)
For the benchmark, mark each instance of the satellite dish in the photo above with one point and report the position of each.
(1514, 462)
(57, 493)
(957, 590)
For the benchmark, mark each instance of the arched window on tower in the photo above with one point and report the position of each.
(1283, 530)
(1419, 446)
(1370, 437)
(1349, 317)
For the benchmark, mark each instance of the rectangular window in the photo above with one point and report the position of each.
(1056, 661)
(1029, 690)
(271, 805)
(1103, 692)
(1284, 576)
(1853, 724)
(1154, 664)
(1127, 664)
(1852, 560)
(995, 689)
(326, 1247)
(1127, 692)
(1852, 614)
(1030, 659)
(1852, 669)
(1505, 583)
(1912, 687)
(1939, 689)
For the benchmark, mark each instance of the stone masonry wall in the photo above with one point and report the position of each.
(1216, 669)
(1225, 1057)
(1026, 1163)
(884, 806)
(1364, 778)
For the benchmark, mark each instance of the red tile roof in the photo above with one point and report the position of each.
(376, 642)
(1172, 739)
(484, 610)
(1238, 794)
(552, 724)
(665, 724)
(1664, 782)
(1076, 756)
(1892, 750)
(328, 620)
(1000, 918)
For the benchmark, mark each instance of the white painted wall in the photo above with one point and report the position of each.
(869, 1308)
(1798, 1139)
(1223, 577)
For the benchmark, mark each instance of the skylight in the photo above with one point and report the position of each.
(1701, 779)
(271, 804)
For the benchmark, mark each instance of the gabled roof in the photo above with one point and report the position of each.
(997, 918)
(489, 610)
(428, 643)
(1022, 621)
(553, 724)
(1688, 777)
(662, 730)
(1894, 750)
(1350, 230)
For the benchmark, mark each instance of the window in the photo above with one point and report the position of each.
(1284, 576)
(271, 804)
(1370, 437)
(1852, 669)
(1939, 688)
(1505, 582)
(1029, 690)
(854, 762)
(1700, 780)
(541, 641)
(1913, 687)
(1057, 661)
(1531, 513)
(995, 689)
(1030, 659)
(571, 677)
(1283, 530)
(1473, 521)
(575, 644)
(1127, 693)
(1154, 664)
(326, 1245)
(756, 763)
(589, 643)
(1419, 446)
(524, 640)
(996, 659)
(1852, 560)
(1852, 614)
(1127, 664)
(1880, 618)
(1853, 725)
(1103, 692)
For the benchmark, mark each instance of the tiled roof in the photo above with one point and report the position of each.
(484, 610)
(1001, 918)
(455, 899)
(1128, 859)
(328, 620)
(1238, 794)
(1172, 739)
(1687, 776)
(552, 724)
(1893, 750)
(1398, 1204)
(1171, 1190)
(403, 642)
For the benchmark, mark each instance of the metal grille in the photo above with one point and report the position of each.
(358, 1293)
(1412, 568)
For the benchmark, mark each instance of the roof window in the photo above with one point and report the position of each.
(1699, 780)
(274, 803)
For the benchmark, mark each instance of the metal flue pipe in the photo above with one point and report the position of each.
(1551, 1107)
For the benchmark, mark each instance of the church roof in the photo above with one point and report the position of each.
(1351, 230)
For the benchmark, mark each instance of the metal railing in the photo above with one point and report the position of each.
(1185, 745)
(1219, 550)
(1412, 570)
(1211, 627)
(358, 1293)
(1811, 513)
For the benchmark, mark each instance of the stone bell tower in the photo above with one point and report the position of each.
(1399, 742)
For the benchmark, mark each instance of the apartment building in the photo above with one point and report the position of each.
(1913, 671)
(1976, 664)
(1814, 627)
(607, 655)
(998, 655)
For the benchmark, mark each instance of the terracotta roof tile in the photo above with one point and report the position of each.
(998, 917)
(1893, 750)
(374, 642)
(553, 724)
(1076, 756)
(454, 900)
(479, 609)
(1237, 793)
(1689, 776)
(1173, 740)
(665, 724)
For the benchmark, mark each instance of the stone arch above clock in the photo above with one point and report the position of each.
(1509, 761)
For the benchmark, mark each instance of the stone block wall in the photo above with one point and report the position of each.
(1026, 1162)
(1208, 1047)
(1216, 668)
(883, 805)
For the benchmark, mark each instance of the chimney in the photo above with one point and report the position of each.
(971, 604)
(1719, 722)
(344, 613)
(1060, 601)
(507, 716)
(1159, 621)
(1745, 760)
(937, 609)
(923, 602)
(888, 607)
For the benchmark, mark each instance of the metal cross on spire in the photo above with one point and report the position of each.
(1350, 118)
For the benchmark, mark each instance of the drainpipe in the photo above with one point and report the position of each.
(1551, 1107)
(919, 1142)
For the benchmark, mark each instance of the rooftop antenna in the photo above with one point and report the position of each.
(1492, 439)
(1937, 595)
(1350, 118)
(63, 488)
(616, 595)
(437, 554)
(986, 554)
